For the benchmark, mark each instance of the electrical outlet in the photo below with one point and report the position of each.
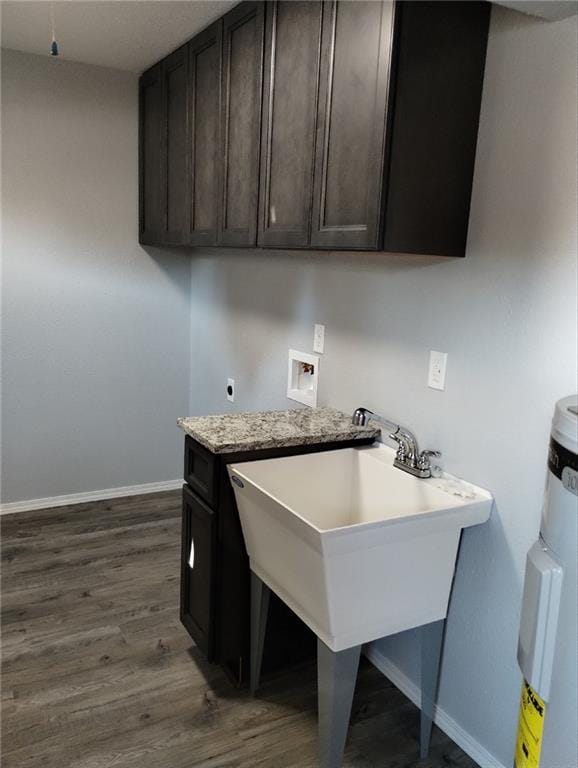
(319, 339)
(231, 390)
(437, 370)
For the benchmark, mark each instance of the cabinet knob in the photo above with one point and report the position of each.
(192, 554)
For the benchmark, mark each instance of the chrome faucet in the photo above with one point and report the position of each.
(408, 457)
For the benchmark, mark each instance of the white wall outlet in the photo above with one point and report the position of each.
(231, 390)
(302, 377)
(319, 339)
(437, 370)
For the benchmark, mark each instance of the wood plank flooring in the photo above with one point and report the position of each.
(98, 672)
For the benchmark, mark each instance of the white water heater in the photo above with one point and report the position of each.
(548, 640)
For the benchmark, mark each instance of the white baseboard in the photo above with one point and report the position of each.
(80, 498)
(444, 722)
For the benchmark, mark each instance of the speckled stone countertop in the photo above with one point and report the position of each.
(227, 433)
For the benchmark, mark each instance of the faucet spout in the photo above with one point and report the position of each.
(408, 455)
(362, 416)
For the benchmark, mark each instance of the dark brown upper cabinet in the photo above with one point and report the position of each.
(366, 140)
(435, 111)
(175, 166)
(292, 46)
(205, 56)
(151, 218)
(241, 87)
(356, 55)
(398, 97)
(163, 152)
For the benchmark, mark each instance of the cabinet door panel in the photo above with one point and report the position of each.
(198, 562)
(356, 56)
(176, 156)
(151, 224)
(205, 89)
(292, 49)
(241, 115)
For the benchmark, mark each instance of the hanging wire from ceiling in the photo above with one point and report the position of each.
(54, 44)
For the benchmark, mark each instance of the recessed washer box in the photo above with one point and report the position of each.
(302, 377)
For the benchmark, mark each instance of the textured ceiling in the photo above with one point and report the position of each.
(133, 34)
(552, 10)
(125, 34)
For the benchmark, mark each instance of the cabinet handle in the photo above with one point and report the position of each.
(192, 554)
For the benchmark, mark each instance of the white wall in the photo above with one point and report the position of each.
(506, 315)
(96, 336)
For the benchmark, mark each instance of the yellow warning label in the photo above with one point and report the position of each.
(530, 728)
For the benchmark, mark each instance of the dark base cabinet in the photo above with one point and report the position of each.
(215, 593)
(198, 547)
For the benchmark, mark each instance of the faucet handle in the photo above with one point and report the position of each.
(424, 462)
(401, 450)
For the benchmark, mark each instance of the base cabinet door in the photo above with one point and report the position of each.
(198, 562)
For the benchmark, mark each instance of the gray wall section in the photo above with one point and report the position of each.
(96, 332)
(506, 315)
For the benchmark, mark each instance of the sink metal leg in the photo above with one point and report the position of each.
(260, 593)
(336, 677)
(432, 636)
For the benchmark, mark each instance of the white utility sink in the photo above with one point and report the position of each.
(357, 548)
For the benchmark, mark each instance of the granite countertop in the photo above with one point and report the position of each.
(228, 433)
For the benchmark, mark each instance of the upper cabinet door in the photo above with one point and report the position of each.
(163, 152)
(241, 121)
(151, 208)
(174, 159)
(356, 55)
(205, 88)
(361, 144)
(292, 53)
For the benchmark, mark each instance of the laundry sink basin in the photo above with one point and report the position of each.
(357, 548)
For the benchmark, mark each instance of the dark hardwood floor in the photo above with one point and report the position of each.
(97, 670)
